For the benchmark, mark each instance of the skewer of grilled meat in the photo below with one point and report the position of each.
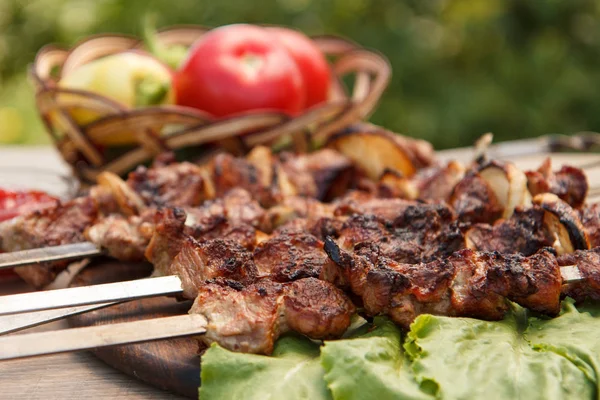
(127, 235)
(181, 184)
(467, 284)
(549, 222)
(222, 272)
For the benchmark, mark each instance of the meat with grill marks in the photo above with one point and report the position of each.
(171, 232)
(437, 183)
(124, 238)
(251, 318)
(290, 256)
(569, 183)
(419, 234)
(52, 226)
(474, 201)
(524, 232)
(468, 283)
(590, 219)
(178, 184)
(588, 264)
(198, 262)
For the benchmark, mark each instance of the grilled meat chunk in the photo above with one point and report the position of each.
(474, 201)
(589, 216)
(250, 319)
(236, 206)
(588, 264)
(171, 232)
(324, 174)
(418, 234)
(465, 284)
(436, 183)
(198, 262)
(53, 226)
(167, 239)
(291, 256)
(385, 209)
(125, 238)
(177, 185)
(294, 207)
(569, 183)
(229, 172)
(524, 233)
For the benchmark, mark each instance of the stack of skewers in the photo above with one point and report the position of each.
(271, 243)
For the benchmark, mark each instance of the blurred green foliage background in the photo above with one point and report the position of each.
(461, 67)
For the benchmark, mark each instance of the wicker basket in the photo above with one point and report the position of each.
(188, 132)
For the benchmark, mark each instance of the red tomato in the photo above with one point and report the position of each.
(238, 68)
(311, 61)
(13, 203)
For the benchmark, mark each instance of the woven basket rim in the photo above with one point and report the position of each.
(372, 72)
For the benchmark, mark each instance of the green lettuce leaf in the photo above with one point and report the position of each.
(575, 335)
(446, 358)
(462, 358)
(370, 365)
(292, 372)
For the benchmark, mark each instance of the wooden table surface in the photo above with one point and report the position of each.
(81, 375)
(62, 376)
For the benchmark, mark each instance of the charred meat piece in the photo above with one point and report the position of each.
(167, 239)
(362, 228)
(320, 228)
(385, 209)
(178, 185)
(438, 182)
(198, 262)
(171, 232)
(291, 256)
(420, 233)
(229, 172)
(236, 206)
(465, 284)
(324, 174)
(246, 235)
(431, 230)
(53, 226)
(589, 216)
(295, 207)
(250, 319)
(588, 264)
(474, 201)
(569, 183)
(523, 233)
(124, 238)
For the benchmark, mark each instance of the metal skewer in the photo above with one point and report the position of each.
(17, 322)
(62, 303)
(85, 295)
(60, 341)
(47, 254)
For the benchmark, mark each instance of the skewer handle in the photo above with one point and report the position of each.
(17, 322)
(60, 341)
(85, 295)
(49, 254)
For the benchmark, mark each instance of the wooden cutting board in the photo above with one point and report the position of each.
(171, 364)
(174, 364)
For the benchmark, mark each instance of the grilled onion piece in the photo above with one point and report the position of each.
(563, 222)
(508, 183)
(375, 150)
